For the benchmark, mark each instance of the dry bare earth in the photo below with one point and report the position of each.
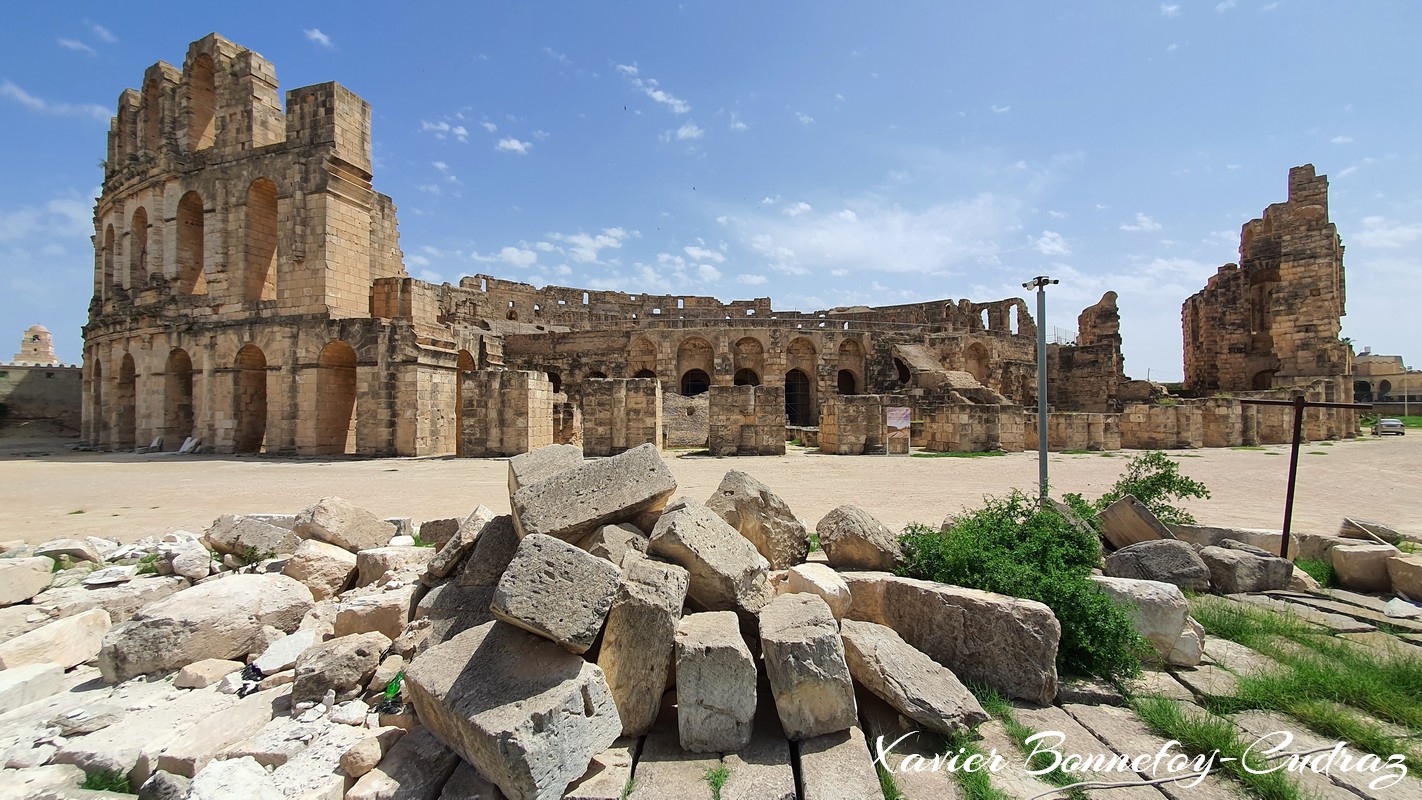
(43, 485)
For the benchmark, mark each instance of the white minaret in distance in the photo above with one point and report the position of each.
(36, 349)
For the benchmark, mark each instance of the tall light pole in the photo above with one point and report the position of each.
(1040, 283)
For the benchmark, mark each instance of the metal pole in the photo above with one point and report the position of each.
(1293, 474)
(1040, 283)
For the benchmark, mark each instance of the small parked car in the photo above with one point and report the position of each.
(1389, 425)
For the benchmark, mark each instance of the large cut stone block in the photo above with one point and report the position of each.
(640, 639)
(1233, 571)
(557, 591)
(761, 516)
(1363, 567)
(1405, 572)
(820, 580)
(188, 755)
(343, 665)
(324, 568)
(343, 524)
(373, 609)
(715, 683)
(461, 543)
(1127, 521)
(67, 642)
(529, 468)
(23, 578)
(415, 769)
(247, 536)
(221, 619)
(493, 550)
(1158, 609)
(1166, 560)
(614, 542)
(804, 659)
(853, 539)
(726, 572)
(373, 564)
(917, 686)
(24, 685)
(838, 766)
(574, 502)
(524, 712)
(1004, 642)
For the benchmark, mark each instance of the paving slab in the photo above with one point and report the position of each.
(838, 766)
(608, 774)
(1237, 658)
(1208, 680)
(1333, 780)
(1336, 623)
(666, 771)
(1124, 732)
(1012, 779)
(1159, 683)
(1114, 764)
(1361, 613)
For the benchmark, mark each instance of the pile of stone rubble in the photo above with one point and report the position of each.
(603, 641)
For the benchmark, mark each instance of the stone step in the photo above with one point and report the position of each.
(1078, 741)
(1208, 680)
(1336, 623)
(1124, 732)
(1012, 779)
(1237, 658)
(1333, 782)
(1355, 611)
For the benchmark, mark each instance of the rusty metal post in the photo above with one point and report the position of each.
(1293, 473)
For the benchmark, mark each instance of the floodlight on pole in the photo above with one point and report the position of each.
(1040, 283)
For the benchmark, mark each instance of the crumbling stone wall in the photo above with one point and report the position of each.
(1088, 375)
(966, 428)
(852, 425)
(506, 412)
(746, 421)
(1146, 426)
(686, 421)
(41, 392)
(1067, 430)
(620, 413)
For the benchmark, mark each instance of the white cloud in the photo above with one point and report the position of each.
(1142, 223)
(651, 88)
(689, 131)
(798, 209)
(708, 273)
(94, 111)
(1341, 140)
(417, 260)
(847, 215)
(315, 35)
(1057, 214)
(1001, 109)
(443, 130)
(541, 135)
(1227, 5)
(518, 257)
(751, 280)
(1172, 47)
(1051, 243)
(430, 276)
(440, 165)
(736, 124)
(512, 145)
(102, 34)
(77, 46)
(1385, 233)
(805, 119)
(840, 273)
(703, 254)
(489, 126)
(585, 249)
(1170, 9)
(1271, 6)
(557, 56)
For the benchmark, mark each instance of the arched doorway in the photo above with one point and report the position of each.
(261, 244)
(902, 371)
(975, 362)
(746, 377)
(557, 381)
(138, 250)
(177, 399)
(463, 367)
(694, 382)
(1362, 392)
(126, 406)
(191, 279)
(107, 286)
(1265, 380)
(97, 428)
(597, 375)
(250, 394)
(846, 383)
(336, 399)
(798, 409)
(202, 103)
(645, 373)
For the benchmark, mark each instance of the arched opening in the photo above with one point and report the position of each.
(694, 382)
(797, 398)
(746, 377)
(463, 367)
(191, 279)
(597, 375)
(177, 399)
(202, 104)
(557, 381)
(749, 356)
(902, 371)
(261, 241)
(645, 373)
(97, 428)
(107, 286)
(126, 405)
(846, 382)
(1362, 392)
(1384, 389)
(336, 399)
(695, 355)
(1264, 380)
(975, 362)
(513, 315)
(250, 393)
(152, 117)
(642, 357)
(138, 250)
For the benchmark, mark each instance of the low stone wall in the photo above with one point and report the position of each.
(973, 429)
(1072, 431)
(620, 414)
(506, 413)
(49, 393)
(1162, 427)
(747, 421)
(686, 421)
(852, 425)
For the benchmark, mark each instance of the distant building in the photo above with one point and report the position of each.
(36, 386)
(36, 349)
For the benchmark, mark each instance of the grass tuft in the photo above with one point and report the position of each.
(107, 781)
(716, 777)
(1200, 734)
(967, 454)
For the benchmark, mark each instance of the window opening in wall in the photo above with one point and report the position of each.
(597, 375)
(483, 285)
(846, 382)
(797, 398)
(656, 311)
(694, 382)
(585, 296)
(557, 381)
(202, 103)
(191, 279)
(746, 377)
(645, 373)
(49, 374)
(903, 371)
(680, 303)
(750, 312)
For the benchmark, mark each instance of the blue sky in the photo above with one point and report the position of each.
(821, 154)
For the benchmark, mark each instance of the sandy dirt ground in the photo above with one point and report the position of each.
(48, 490)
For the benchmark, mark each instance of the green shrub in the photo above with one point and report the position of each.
(1013, 547)
(107, 782)
(1321, 571)
(1155, 480)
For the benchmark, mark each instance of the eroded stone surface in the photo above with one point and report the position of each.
(574, 502)
(805, 661)
(640, 639)
(557, 591)
(715, 683)
(853, 539)
(726, 571)
(762, 517)
(914, 684)
(343, 524)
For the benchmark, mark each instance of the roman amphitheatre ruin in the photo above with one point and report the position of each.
(250, 295)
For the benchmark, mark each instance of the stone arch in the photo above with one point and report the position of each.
(336, 399)
(746, 377)
(976, 361)
(1362, 392)
(846, 382)
(644, 373)
(126, 405)
(748, 355)
(901, 371)
(557, 381)
(261, 241)
(1264, 379)
(250, 396)
(597, 374)
(850, 366)
(465, 365)
(107, 279)
(695, 354)
(1384, 388)
(202, 104)
(799, 408)
(642, 357)
(191, 279)
(138, 249)
(177, 398)
(694, 382)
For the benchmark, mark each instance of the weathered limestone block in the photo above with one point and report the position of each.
(282, 654)
(467, 784)
(436, 532)
(804, 659)
(67, 642)
(220, 619)
(461, 543)
(557, 591)
(324, 568)
(1158, 609)
(415, 769)
(1004, 642)
(529, 468)
(344, 664)
(761, 516)
(821, 580)
(493, 550)
(527, 714)
(23, 578)
(364, 755)
(24, 685)
(185, 555)
(853, 539)
(373, 563)
(1189, 649)
(1319, 547)
(608, 774)
(1233, 571)
(715, 683)
(1214, 535)
(575, 502)
(1127, 521)
(1405, 574)
(385, 610)
(192, 752)
(109, 576)
(451, 609)
(342, 524)
(838, 766)
(1165, 560)
(640, 639)
(314, 770)
(238, 777)
(665, 770)
(240, 536)
(614, 542)
(1351, 528)
(726, 571)
(204, 673)
(73, 549)
(120, 601)
(1363, 567)
(917, 686)
(761, 769)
